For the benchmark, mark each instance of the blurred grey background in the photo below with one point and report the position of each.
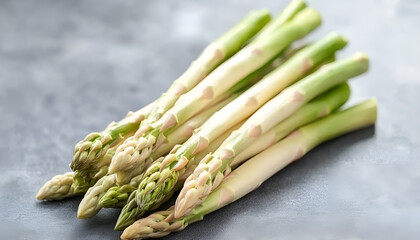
(68, 68)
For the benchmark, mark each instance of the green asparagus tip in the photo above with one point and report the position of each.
(263, 11)
(129, 214)
(363, 58)
(82, 181)
(123, 223)
(309, 13)
(108, 202)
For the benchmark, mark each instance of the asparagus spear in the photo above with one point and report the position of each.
(288, 13)
(212, 56)
(83, 179)
(212, 169)
(175, 164)
(252, 173)
(57, 188)
(89, 206)
(92, 148)
(247, 60)
(95, 145)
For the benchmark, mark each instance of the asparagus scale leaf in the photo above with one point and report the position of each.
(89, 206)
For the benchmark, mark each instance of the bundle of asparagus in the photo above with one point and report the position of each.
(248, 106)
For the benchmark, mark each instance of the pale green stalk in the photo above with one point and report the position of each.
(255, 171)
(57, 188)
(288, 13)
(212, 56)
(255, 55)
(212, 169)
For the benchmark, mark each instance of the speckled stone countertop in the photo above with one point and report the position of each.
(68, 68)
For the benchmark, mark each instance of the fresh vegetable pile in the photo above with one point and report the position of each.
(249, 105)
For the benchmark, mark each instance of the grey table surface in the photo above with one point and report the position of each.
(70, 67)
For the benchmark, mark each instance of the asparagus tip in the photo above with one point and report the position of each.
(338, 35)
(40, 195)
